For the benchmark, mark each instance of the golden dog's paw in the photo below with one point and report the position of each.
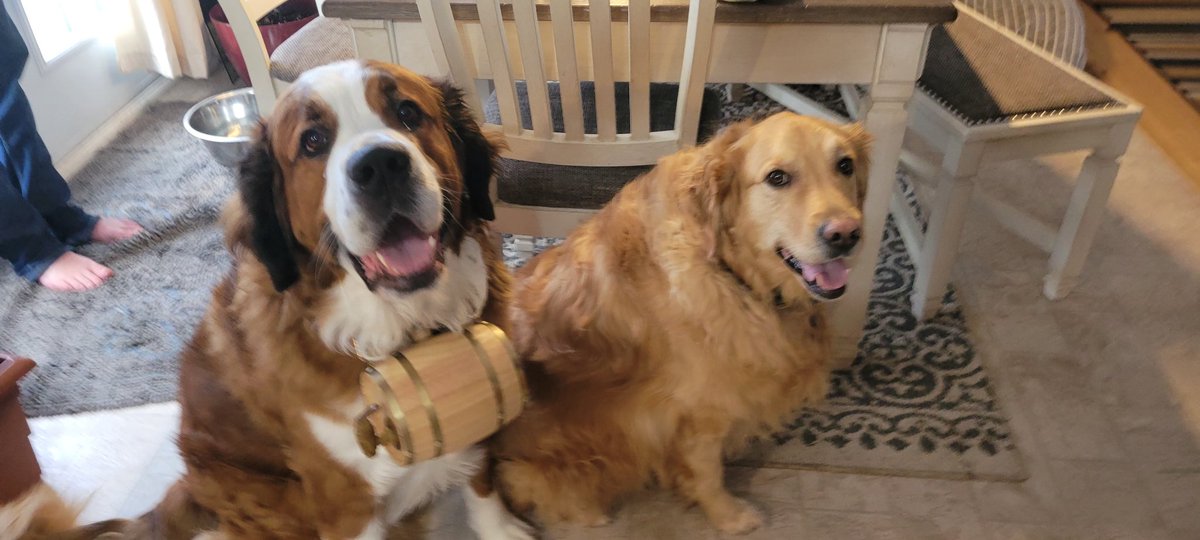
(738, 517)
(601, 520)
(588, 517)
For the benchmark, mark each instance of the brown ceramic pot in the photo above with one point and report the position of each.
(19, 468)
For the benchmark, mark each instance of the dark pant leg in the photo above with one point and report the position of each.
(26, 155)
(12, 61)
(26, 240)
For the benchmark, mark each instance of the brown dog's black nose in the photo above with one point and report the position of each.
(840, 235)
(370, 167)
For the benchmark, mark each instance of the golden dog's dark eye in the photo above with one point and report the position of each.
(313, 142)
(778, 178)
(845, 166)
(409, 114)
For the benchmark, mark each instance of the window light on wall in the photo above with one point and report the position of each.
(59, 26)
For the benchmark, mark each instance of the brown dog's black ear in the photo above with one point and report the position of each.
(260, 184)
(476, 154)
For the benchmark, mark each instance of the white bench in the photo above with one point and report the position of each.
(988, 95)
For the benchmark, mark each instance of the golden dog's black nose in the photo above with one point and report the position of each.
(840, 235)
(375, 166)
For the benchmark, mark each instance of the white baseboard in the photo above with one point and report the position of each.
(78, 157)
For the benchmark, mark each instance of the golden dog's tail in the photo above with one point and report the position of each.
(41, 514)
(37, 512)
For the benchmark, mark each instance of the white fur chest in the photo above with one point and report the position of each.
(399, 489)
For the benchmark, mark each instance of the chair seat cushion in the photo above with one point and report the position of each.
(984, 76)
(562, 186)
(323, 41)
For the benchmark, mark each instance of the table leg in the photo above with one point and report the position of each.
(898, 65)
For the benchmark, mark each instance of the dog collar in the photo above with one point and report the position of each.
(356, 352)
(780, 303)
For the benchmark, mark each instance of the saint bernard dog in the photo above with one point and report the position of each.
(360, 228)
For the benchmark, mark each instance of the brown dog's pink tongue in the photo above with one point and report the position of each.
(410, 255)
(830, 276)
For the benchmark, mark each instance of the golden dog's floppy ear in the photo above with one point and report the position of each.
(712, 180)
(260, 184)
(476, 154)
(861, 141)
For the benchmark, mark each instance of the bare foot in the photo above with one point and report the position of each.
(73, 272)
(109, 230)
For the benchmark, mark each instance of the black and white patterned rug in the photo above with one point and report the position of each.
(915, 402)
(916, 399)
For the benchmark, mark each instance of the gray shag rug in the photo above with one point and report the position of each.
(916, 401)
(116, 346)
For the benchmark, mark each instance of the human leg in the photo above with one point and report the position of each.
(37, 179)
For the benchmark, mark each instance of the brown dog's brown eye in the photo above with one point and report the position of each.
(408, 114)
(845, 166)
(313, 142)
(778, 178)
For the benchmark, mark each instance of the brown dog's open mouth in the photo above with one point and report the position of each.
(825, 281)
(407, 258)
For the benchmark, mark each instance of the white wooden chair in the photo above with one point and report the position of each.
(320, 42)
(557, 101)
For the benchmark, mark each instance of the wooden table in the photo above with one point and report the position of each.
(879, 43)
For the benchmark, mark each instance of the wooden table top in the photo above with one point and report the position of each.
(763, 11)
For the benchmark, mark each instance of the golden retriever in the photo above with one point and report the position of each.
(683, 320)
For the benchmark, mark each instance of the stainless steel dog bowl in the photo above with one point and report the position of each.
(224, 123)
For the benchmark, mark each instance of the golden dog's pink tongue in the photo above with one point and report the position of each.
(830, 276)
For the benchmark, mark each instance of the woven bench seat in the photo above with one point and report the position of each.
(984, 77)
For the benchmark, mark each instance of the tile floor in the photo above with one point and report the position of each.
(1103, 388)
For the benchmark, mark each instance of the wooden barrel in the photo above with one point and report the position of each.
(441, 395)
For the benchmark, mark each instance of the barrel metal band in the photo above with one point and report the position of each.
(426, 401)
(396, 413)
(485, 360)
(512, 357)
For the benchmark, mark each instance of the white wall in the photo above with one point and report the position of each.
(77, 93)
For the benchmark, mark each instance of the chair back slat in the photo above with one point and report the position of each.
(563, 21)
(242, 16)
(543, 144)
(497, 53)
(255, 9)
(1056, 26)
(524, 11)
(448, 54)
(600, 27)
(696, 53)
(639, 69)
